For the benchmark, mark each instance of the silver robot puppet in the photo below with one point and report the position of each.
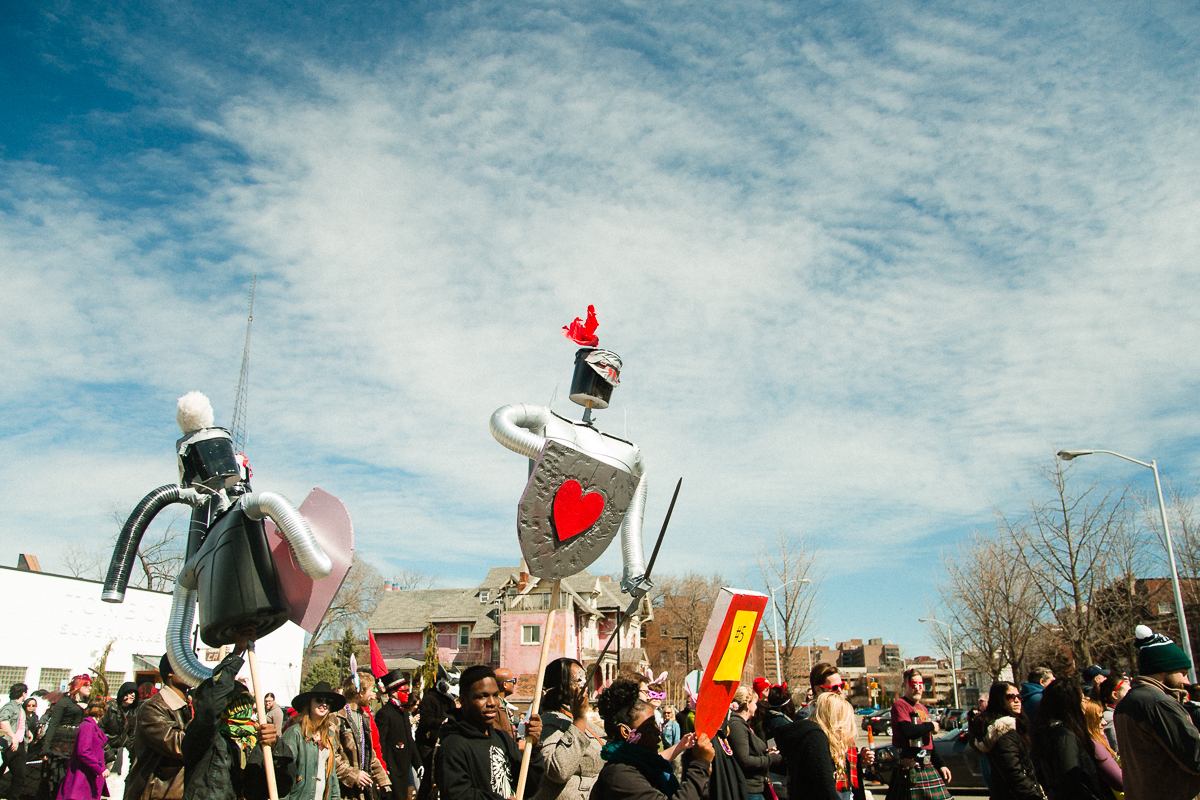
(584, 484)
(229, 569)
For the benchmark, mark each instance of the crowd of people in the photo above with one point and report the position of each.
(1102, 738)
(370, 739)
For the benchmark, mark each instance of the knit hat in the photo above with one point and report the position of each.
(1157, 653)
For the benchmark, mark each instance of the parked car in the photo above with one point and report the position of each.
(878, 722)
(952, 748)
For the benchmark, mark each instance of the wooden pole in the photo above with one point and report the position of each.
(537, 689)
(260, 711)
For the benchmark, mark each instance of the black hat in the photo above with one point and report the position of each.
(165, 668)
(393, 679)
(1091, 672)
(322, 690)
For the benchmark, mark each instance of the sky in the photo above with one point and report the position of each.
(867, 264)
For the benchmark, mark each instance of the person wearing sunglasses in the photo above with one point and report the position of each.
(1112, 690)
(310, 771)
(508, 713)
(1001, 735)
(823, 677)
(921, 772)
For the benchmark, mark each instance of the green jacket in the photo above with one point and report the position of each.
(301, 769)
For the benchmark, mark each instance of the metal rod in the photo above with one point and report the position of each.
(649, 567)
(537, 689)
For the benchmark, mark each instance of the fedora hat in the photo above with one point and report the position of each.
(321, 691)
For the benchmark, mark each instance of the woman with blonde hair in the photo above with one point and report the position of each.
(309, 742)
(836, 718)
(749, 751)
(1106, 758)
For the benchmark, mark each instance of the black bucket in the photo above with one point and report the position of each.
(237, 581)
(206, 459)
(586, 383)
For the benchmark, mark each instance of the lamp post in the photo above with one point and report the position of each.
(1067, 455)
(775, 623)
(953, 671)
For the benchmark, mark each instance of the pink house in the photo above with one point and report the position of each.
(501, 622)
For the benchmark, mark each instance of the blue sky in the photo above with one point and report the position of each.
(866, 264)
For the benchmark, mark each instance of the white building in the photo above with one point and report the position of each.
(58, 627)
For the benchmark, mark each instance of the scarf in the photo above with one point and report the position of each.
(654, 768)
(237, 724)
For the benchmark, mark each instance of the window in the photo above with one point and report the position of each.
(115, 679)
(485, 595)
(662, 629)
(512, 591)
(464, 637)
(11, 675)
(51, 679)
(531, 634)
(1164, 609)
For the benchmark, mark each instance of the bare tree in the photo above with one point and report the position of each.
(352, 605)
(407, 579)
(684, 605)
(81, 561)
(995, 607)
(1065, 543)
(787, 566)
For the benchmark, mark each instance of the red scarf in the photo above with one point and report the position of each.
(850, 779)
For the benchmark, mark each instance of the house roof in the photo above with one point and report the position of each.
(413, 610)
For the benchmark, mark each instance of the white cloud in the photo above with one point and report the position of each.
(859, 283)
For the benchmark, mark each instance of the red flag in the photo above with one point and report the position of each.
(584, 333)
(378, 665)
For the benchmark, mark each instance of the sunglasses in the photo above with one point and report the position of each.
(1012, 696)
(833, 687)
(510, 680)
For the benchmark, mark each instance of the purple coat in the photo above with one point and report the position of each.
(84, 779)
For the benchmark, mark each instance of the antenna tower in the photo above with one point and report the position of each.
(239, 403)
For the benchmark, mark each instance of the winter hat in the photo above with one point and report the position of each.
(1157, 653)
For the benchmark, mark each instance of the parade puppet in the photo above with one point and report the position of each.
(240, 569)
(584, 484)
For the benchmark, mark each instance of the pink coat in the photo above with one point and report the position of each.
(84, 779)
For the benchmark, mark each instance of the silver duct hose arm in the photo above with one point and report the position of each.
(633, 580)
(131, 536)
(513, 426)
(293, 527)
(179, 631)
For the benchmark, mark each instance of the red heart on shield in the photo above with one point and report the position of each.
(574, 511)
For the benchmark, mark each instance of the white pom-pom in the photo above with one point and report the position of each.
(1142, 632)
(194, 412)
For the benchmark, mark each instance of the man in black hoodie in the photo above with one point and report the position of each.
(222, 749)
(476, 761)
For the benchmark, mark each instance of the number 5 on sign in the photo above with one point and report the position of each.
(723, 651)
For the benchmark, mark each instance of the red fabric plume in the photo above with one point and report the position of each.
(584, 333)
(378, 665)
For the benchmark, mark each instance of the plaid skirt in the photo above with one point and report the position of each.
(918, 783)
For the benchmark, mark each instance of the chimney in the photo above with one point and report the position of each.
(523, 576)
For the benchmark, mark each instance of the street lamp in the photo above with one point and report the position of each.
(953, 671)
(775, 623)
(1067, 455)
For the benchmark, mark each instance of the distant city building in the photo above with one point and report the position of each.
(872, 656)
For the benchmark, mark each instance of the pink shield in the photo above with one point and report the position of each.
(308, 600)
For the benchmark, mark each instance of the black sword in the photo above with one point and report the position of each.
(636, 600)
